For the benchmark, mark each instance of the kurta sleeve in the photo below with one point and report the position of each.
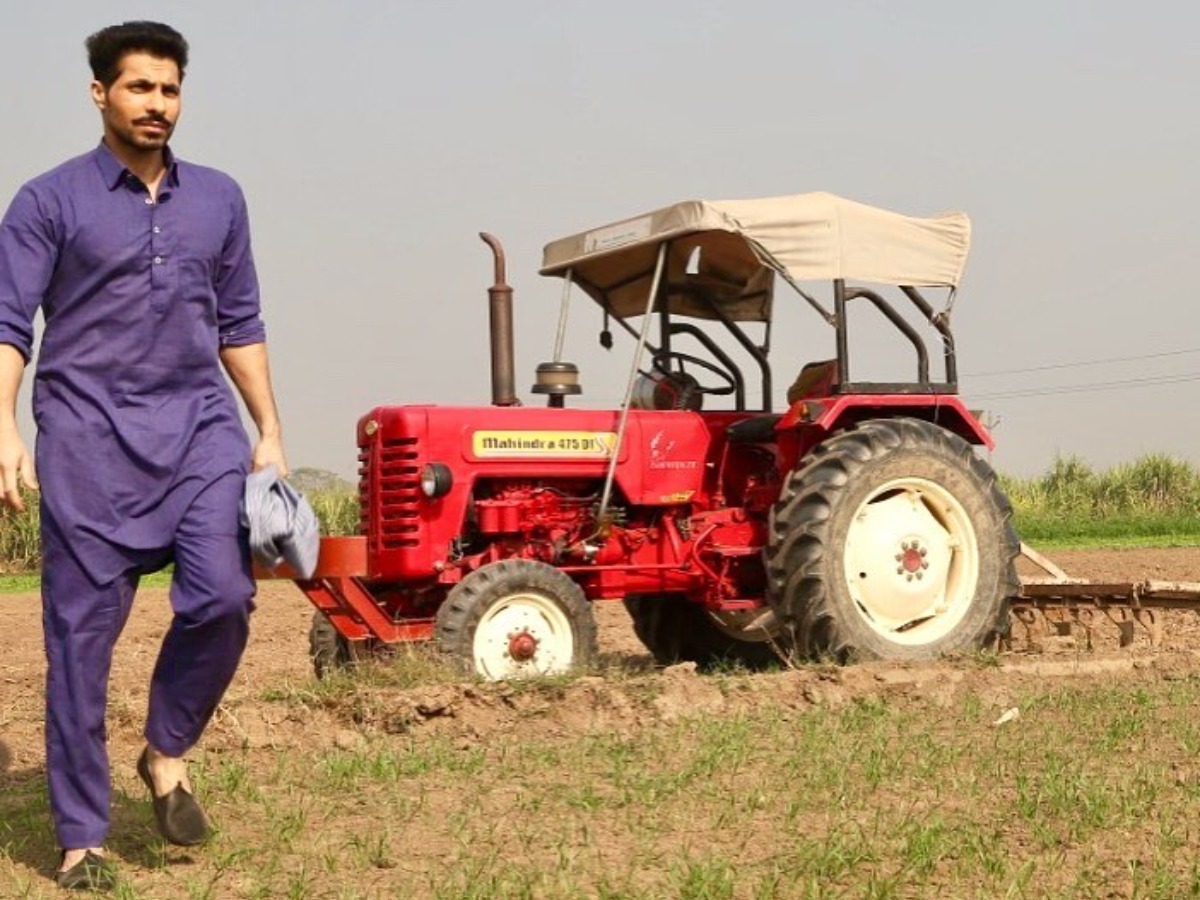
(28, 256)
(239, 318)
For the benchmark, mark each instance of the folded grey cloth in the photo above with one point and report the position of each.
(283, 527)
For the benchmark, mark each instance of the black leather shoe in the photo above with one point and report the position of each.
(180, 819)
(92, 873)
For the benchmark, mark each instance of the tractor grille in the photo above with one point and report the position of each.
(389, 488)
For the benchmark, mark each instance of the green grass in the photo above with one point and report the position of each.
(20, 584)
(1057, 530)
(1093, 792)
(872, 800)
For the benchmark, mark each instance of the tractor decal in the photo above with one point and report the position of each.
(506, 444)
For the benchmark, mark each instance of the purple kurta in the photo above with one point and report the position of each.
(140, 452)
(134, 415)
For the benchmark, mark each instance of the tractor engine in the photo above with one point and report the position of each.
(535, 520)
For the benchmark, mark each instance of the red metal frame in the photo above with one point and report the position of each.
(339, 590)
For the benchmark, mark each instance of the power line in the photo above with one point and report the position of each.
(1089, 388)
(1081, 363)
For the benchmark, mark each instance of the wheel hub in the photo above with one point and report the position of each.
(522, 646)
(912, 560)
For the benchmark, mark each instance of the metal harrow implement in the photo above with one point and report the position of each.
(1057, 603)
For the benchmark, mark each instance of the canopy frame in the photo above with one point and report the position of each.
(742, 246)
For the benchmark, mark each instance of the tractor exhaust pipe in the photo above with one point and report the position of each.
(504, 392)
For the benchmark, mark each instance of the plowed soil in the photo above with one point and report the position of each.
(278, 652)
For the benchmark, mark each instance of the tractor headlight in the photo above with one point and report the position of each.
(436, 480)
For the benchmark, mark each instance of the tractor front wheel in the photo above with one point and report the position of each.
(329, 650)
(892, 540)
(515, 619)
(675, 630)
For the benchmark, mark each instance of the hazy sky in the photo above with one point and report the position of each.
(375, 139)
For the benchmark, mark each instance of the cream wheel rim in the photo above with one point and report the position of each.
(523, 635)
(911, 561)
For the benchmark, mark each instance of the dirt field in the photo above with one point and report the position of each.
(256, 727)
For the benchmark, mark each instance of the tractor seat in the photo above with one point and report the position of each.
(816, 379)
(754, 430)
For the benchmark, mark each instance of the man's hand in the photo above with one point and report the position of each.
(16, 465)
(269, 452)
(16, 468)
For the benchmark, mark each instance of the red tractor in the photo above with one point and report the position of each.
(859, 522)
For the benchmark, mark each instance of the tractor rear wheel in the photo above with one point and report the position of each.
(892, 540)
(675, 630)
(515, 619)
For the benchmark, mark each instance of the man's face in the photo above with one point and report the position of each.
(141, 107)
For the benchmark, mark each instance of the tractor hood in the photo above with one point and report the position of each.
(743, 243)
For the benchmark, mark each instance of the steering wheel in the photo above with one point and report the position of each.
(671, 362)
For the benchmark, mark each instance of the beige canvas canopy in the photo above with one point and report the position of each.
(742, 243)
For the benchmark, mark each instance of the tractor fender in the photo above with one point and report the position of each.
(822, 416)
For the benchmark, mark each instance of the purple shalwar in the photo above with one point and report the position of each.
(140, 450)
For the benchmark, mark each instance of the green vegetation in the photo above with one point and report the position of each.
(1152, 501)
(19, 550)
(336, 510)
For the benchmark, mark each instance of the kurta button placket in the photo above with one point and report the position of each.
(159, 276)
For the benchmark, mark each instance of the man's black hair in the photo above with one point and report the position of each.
(108, 45)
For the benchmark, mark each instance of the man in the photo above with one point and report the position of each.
(142, 268)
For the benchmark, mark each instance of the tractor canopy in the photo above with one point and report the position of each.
(725, 253)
